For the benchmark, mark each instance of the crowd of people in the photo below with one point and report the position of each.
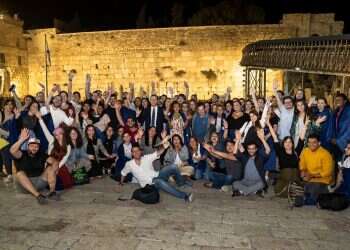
(233, 144)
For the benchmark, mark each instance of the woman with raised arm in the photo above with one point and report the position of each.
(288, 156)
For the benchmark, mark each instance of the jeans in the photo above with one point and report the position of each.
(201, 170)
(219, 179)
(312, 191)
(161, 182)
(6, 159)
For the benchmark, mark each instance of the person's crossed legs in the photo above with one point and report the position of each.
(37, 184)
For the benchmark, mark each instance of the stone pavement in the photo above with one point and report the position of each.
(92, 217)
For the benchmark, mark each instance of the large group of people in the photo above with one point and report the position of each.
(232, 144)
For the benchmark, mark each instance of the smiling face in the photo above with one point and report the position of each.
(313, 144)
(300, 107)
(90, 132)
(33, 148)
(321, 104)
(237, 106)
(252, 149)
(253, 117)
(193, 143)
(57, 101)
(214, 138)
(288, 144)
(136, 153)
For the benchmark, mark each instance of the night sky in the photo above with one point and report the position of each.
(122, 14)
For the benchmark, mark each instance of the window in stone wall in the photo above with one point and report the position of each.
(2, 58)
(20, 61)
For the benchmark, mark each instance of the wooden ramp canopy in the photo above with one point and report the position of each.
(319, 55)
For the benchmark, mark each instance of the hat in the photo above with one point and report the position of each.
(33, 140)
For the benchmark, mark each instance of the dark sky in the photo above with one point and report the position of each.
(122, 14)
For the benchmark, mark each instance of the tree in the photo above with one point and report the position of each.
(228, 12)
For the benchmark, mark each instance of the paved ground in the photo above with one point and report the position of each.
(91, 217)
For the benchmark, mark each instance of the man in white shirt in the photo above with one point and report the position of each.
(286, 109)
(57, 114)
(141, 168)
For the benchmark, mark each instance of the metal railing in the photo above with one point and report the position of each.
(327, 55)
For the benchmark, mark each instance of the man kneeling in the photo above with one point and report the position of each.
(35, 170)
(142, 169)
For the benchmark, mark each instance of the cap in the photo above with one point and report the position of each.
(33, 140)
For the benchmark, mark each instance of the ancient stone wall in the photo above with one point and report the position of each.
(205, 57)
(13, 50)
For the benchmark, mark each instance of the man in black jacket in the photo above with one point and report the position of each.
(153, 116)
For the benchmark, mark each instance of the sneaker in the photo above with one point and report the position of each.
(260, 193)
(42, 200)
(236, 193)
(226, 188)
(53, 196)
(189, 198)
(8, 179)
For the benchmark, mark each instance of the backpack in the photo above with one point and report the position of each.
(332, 201)
(148, 194)
(295, 193)
(80, 176)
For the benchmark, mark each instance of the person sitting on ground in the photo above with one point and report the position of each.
(252, 160)
(142, 169)
(178, 154)
(232, 166)
(343, 179)
(316, 169)
(197, 159)
(288, 157)
(35, 170)
(124, 155)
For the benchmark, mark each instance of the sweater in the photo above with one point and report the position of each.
(317, 162)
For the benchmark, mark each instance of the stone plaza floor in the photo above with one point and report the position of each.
(92, 217)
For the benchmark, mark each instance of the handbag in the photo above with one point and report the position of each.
(148, 194)
(80, 176)
(64, 179)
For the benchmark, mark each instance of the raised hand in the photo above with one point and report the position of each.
(225, 124)
(71, 74)
(238, 135)
(117, 106)
(88, 79)
(55, 88)
(186, 85)
(42, 86)
(260, 133)
(24, 134)
(320, 120)
(38, 114)
(275, 85)
(163, 134)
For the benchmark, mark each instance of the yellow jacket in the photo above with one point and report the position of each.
(317, 162)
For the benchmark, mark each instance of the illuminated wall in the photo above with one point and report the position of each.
(206, 57)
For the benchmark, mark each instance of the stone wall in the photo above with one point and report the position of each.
(14, 48)
(206, 57)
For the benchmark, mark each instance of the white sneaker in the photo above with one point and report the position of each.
(226, 188)
(8, 179)
(189, 198)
